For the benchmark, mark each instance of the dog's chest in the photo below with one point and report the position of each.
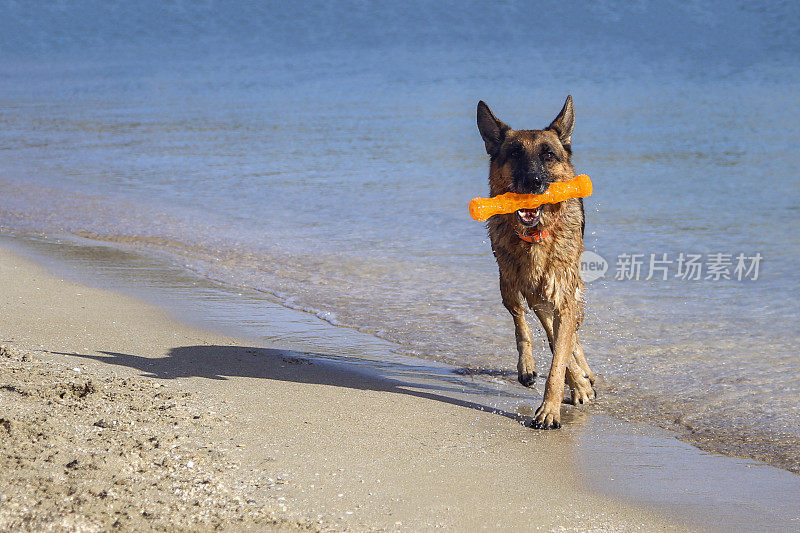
(537, 269)
(547, 273)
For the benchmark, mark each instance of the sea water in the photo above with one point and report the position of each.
(324, 153)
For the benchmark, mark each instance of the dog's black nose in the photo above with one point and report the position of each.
(533, 184)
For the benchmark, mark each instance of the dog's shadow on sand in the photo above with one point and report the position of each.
(222, 362)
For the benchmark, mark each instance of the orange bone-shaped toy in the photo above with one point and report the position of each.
(483, 208)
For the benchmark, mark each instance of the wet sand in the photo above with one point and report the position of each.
(115, 414)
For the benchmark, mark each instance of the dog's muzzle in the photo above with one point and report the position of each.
(531, 180)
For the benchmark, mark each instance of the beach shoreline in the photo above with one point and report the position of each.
(289, 440)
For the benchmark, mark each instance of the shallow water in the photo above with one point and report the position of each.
(325, 154)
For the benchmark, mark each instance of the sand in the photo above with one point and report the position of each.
(115, 415)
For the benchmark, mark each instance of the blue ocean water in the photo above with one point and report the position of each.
(324, 152)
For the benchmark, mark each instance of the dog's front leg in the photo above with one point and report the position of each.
(579, 383)
(548, 416)
(526, 366)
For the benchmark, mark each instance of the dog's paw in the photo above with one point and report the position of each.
(582, 391)
(548, 416)
(581, 395)
(527, 378)
(526, 370)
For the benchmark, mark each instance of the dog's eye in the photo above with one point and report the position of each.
(547, 155)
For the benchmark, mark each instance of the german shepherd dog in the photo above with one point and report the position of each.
(538, 253)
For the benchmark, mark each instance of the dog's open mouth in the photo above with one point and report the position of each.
(529, 217)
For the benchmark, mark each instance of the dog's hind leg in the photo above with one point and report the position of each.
(526, 366)
(581, 360)
(580, 382)
(544, 313)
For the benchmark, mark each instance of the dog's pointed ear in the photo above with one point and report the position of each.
(492, 129)
(564, 123)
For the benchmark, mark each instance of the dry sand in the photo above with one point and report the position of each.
(113, 415)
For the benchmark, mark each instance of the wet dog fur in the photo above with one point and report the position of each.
(544, 273)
